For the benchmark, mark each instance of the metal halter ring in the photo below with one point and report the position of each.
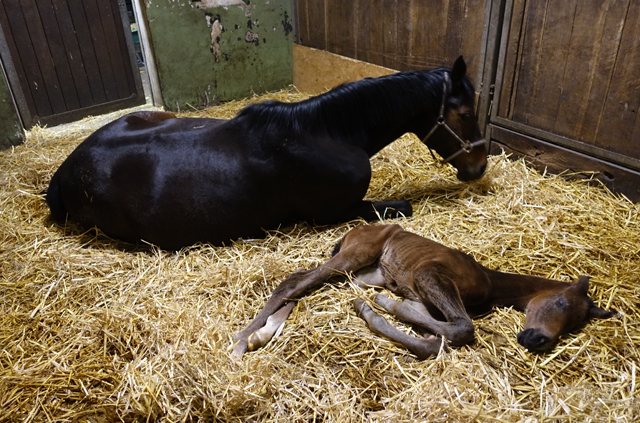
(465, 146)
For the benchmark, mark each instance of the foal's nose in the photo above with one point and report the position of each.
(533, 340)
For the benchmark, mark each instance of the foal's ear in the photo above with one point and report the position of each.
(458, 71)
(596, 312)
(582, 285)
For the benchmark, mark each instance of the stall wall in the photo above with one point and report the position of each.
(218, 50)
(11, 132)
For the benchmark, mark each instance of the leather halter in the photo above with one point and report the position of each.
(465, 146)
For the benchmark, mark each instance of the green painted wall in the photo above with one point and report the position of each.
(218, 50)
(11, 132)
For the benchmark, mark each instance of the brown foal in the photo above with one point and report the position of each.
(443, 288)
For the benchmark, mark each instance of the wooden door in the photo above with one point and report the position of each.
(568, 88)
(67, 59)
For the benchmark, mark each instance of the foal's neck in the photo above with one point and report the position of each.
(510, 289)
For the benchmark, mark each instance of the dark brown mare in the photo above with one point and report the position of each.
(173, 182)
(443, 288)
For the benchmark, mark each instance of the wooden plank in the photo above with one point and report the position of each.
(408, 26)
(362, 31)
(24, 99)
(513, 59)
(623, 100)
(316, 71)
(603, 65)
(43, 55)
(35, 82)
(101, 48)
(554, 159)
(113, 36)
(89, 59)
(579, 76)
(123, 50)
(553, 52)
(302, 20)
(472, 20)
(340, 24)
(72, 52)
(317, 22)
(533, 24)
(58, 54)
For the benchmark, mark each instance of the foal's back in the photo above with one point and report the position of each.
(413, 261)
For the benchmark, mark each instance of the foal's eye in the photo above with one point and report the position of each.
(465, 117)
(561, 302)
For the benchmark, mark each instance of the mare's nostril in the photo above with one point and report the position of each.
(483, 168)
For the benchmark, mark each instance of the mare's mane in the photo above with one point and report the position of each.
(350, 107)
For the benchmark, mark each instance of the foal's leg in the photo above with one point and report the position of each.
(262, 336)
(422, 347)
(351, 257)
(458, 328)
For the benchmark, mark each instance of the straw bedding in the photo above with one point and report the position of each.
(96, 330)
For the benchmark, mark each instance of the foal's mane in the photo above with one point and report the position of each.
(353, 106)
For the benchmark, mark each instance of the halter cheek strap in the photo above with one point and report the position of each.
(465, 146)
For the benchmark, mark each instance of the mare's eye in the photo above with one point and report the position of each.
(465, 117)
(561, 302)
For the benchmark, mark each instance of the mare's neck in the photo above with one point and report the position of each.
(509, 289)
(372, 113)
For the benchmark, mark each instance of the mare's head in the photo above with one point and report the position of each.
(555, 312)
(456, 136)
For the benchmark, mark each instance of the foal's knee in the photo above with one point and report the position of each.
(462, 333)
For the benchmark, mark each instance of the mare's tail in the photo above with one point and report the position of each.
(54, 200)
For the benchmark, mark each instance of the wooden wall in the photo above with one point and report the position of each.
(572, 69)
(397, 34)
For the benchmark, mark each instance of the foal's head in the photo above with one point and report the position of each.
(456, 136)
(555, 312)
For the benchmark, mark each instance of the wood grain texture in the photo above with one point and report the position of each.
(398, 34)
(571, 68)
(550, 158)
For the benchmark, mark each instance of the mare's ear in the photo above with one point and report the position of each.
(458, 71)
(582, 285)
(596, 312)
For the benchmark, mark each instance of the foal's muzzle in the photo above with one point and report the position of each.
(534, 340)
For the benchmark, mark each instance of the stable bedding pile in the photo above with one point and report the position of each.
(96, 330)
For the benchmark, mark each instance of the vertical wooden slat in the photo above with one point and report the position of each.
(362, 32)
(340, 27)
(578, 79)
(623, 100)
(86, 49)
(58, 54)
(302, 21)
(552, 53)
(25, 50)
(603, 66)
(512, 66)
(123, 52)
(535, 13)
(72, 49)
(17, 60)
(101, 47)
(317, 24)
(43, 55)
(113, 43)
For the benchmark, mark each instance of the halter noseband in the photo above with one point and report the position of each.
(465, 146)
